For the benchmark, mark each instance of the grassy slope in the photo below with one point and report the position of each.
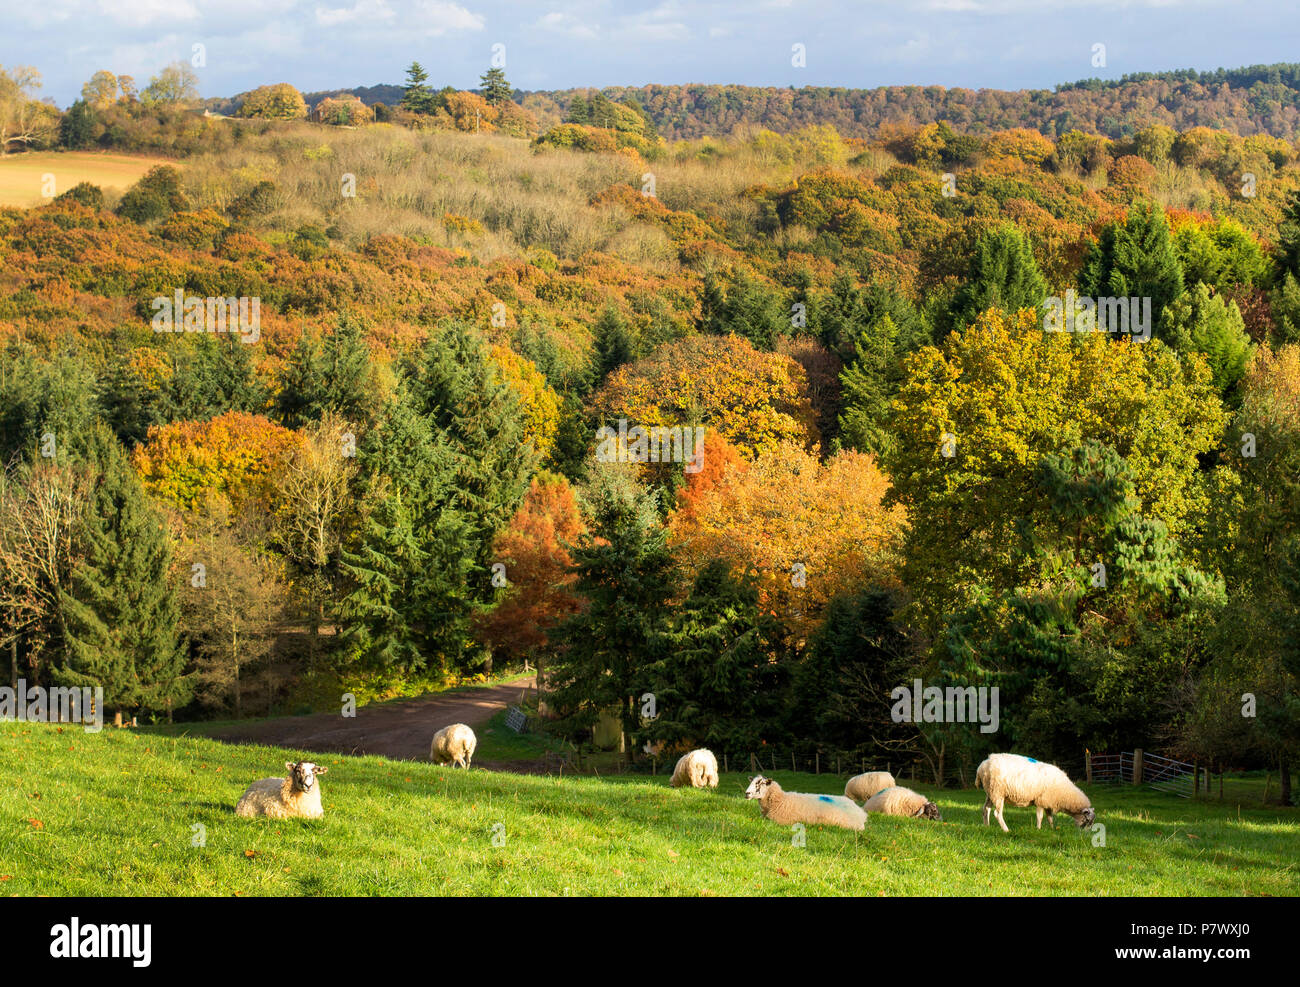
(114, 814)
(22, 175)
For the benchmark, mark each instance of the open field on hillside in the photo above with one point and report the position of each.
(22, 176)
(120, 813)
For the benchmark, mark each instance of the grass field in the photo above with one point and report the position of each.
(22, 176)
(118, 813)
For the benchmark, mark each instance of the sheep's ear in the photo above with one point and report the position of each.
(321, 771)
(290, 765)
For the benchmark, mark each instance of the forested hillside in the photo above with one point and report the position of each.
(413, 463)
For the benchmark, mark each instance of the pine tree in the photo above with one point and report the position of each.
(496, 90)
(1003, 274)
(417, 96)
(121, 610)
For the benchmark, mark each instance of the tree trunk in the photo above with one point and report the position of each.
(629, 727)
(13, 664)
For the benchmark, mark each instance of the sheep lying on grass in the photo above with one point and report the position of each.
(453, 745)
(903, 802)
(294, 797)
(862, 787)
(1023, 781)
(698, 769)
(788, 808)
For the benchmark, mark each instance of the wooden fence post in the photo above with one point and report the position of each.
(1137, 766)
(1196, 778)
(1087, 765)
(818, 762)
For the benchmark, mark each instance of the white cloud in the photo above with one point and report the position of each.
(365, 11)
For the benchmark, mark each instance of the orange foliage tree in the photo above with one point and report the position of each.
(234, 455)
(756, 400)
(533, 547)
(810, 531)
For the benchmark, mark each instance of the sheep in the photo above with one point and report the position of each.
(294, 797)
(862, 787)
(698, 769)
(788, 808)
(1023, 781)
(902, 802)
(453, 745)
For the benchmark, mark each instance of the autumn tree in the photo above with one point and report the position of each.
(315, 513)
(975, 419)
(534, 549)
(175, 84)
(24, 119)
(280, 101)
(808, 530)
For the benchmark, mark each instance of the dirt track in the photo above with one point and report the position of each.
(398, 729)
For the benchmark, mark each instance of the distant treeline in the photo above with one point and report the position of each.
(1252, 100)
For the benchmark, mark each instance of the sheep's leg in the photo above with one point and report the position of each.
(1039, 808)
(997, 811)
(1051, 818)
(988, 804)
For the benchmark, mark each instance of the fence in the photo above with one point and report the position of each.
(1138, 767)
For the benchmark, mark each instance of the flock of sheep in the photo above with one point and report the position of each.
(1004, 778)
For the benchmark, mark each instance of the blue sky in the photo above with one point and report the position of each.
(328, 44)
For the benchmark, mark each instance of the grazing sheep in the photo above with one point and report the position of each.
(862, 787)
(453, 745)
(698, 769)
(788, 808)
(294, 797)
(902, 802)
(1023, 781)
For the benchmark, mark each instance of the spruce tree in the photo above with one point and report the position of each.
(614, 344)
(1003, 274)
(414, 565)
(1135, 259)
(715, 680)
(477, 415)
(121, 611)
(624, 572)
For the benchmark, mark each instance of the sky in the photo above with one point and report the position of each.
(335, 44)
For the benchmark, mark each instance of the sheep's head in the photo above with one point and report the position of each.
(758, 787)
(1084, 818)
(303, 774)
(931, 811)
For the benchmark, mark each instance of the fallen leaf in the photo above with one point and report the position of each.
(250, 854)
(783, 872)
(36, 824)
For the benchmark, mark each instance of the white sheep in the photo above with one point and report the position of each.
(862, 787)
(902, 802)
(453, 745)
(698, 769)
(788, 808)
(294, 797)
(1023, 781)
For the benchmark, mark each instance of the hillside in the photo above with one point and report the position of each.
(121, 813)
(1258, 99)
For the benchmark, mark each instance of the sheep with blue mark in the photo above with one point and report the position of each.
(894, 801)
(788, 808)
(1024, 781)
(864, 786)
